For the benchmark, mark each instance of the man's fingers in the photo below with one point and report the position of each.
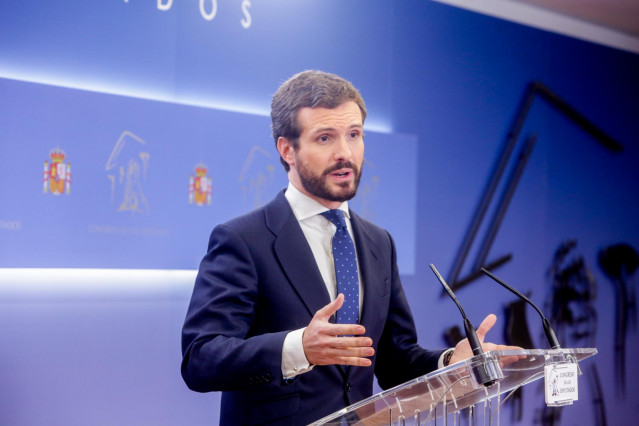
(352, 342)
(327, 343)
(351, 352)
(358, 362)
(327, 311)
(463, 351)
(486, 325)
(347, 360)
(345, 330)
(345, 356)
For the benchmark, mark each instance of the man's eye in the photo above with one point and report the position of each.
(354, 135)
(323, 138)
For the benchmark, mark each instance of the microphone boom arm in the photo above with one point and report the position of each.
(548, 330)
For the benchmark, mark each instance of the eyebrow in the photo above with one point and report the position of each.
(332, 129)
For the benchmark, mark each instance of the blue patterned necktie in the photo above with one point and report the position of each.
(345, 268)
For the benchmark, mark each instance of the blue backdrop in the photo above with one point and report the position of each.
(128, 197)
(138, 95)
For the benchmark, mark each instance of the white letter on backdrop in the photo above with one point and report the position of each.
(208, 16)
(167, 6)
(246, 21)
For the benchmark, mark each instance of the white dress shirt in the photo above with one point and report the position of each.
(319, 232)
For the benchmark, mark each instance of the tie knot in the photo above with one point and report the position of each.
(336, 216)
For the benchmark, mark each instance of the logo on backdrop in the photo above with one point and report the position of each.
(56, 178)
(200, 187)
(127, 167)
(257, 177)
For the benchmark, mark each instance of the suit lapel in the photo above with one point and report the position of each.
(297, 261)
(374, 282)
(295, 255)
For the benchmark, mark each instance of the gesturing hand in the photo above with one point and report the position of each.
(323, 344)
(463, 351)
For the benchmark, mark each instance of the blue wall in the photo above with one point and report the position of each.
(443, 88)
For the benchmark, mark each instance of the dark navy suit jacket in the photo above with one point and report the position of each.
(258, 282)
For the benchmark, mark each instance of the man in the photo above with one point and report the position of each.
(261, 324)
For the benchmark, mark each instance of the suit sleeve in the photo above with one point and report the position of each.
(219, 351)
(399, 356)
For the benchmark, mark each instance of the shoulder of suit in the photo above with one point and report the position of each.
(373, 230)
(277, 209)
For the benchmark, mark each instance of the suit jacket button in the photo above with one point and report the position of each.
(347, 387)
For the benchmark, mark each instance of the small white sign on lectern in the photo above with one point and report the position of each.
(561, 384)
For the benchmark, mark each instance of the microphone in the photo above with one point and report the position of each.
(550, 333)
(486, 370)
(471, 334)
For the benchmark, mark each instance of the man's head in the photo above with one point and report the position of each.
(308, 89)
(318, 121)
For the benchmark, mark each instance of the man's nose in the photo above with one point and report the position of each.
(342, 149)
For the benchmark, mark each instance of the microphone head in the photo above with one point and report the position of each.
(443, 282)
(550, 333)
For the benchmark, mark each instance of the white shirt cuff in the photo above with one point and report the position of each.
(294, 360)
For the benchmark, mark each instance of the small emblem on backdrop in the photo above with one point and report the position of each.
(56, 177)
(200, 186)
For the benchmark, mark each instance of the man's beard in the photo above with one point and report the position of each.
(317, 185)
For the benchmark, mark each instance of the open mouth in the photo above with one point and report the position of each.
(341, 173)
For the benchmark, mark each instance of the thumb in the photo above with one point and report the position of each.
(327, 311)
(485, 326)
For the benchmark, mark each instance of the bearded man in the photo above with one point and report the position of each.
(276, 321)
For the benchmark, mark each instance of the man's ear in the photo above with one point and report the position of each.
(285, 148)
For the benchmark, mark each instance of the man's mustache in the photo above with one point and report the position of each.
(340, 165)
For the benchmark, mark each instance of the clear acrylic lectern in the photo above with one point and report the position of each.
(458, 390)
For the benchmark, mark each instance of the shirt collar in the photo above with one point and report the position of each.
(304, 207)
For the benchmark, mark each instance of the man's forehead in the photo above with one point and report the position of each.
(346, 114)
